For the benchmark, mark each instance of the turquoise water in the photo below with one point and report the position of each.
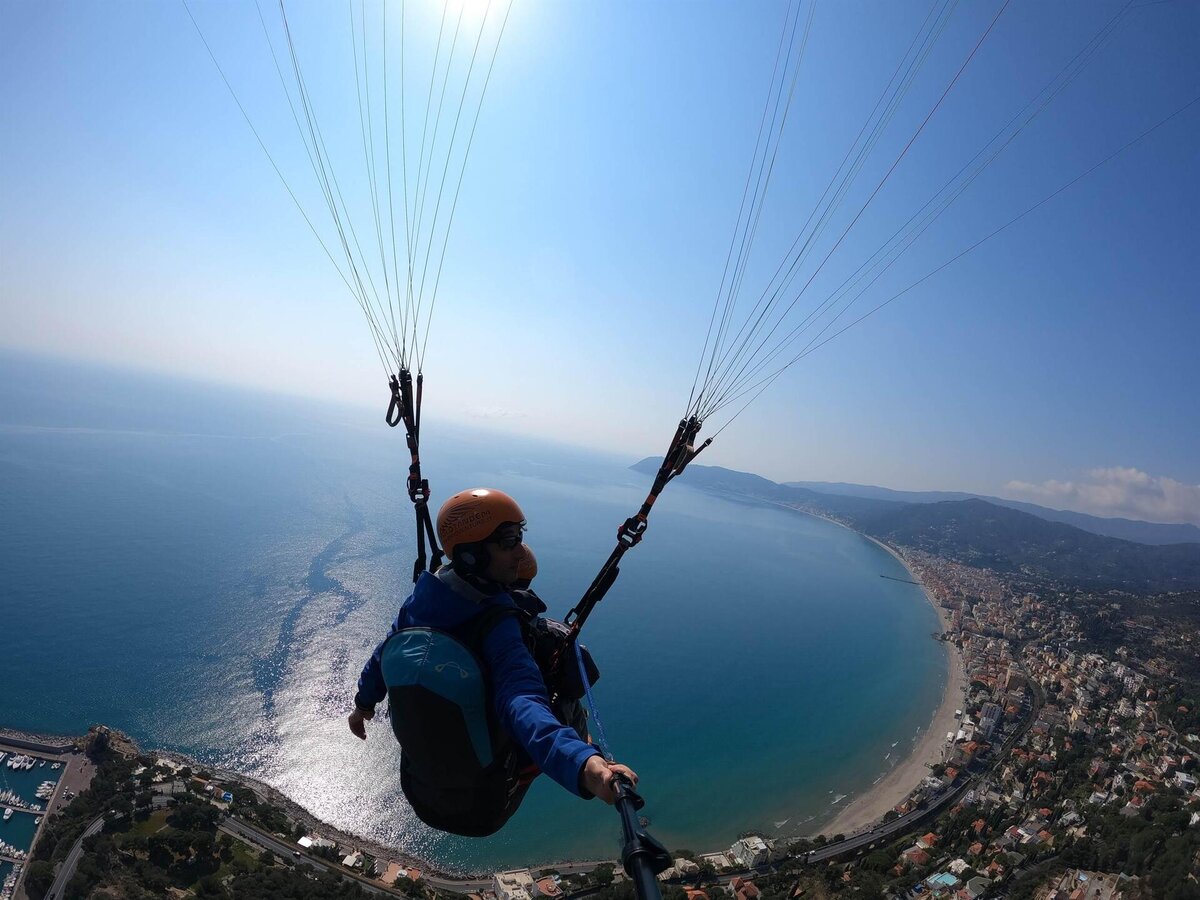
(20, 829)
(208, 570)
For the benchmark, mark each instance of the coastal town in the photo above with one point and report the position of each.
(1070, 770)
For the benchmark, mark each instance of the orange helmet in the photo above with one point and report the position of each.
(527, 569)
(469, 517)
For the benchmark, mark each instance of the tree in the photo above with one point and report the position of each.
(210, 886)
(38, 878)
(603, 875)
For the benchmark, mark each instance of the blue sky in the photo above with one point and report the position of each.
(141, 225)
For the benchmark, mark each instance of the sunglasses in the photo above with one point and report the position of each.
(507, 537)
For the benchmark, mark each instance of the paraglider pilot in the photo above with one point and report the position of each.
(466, 699)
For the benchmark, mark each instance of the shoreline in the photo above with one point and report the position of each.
(867, 809)
(898, 782)
(262, 789)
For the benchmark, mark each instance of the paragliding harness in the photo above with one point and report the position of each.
(405, 406)
(459, 769)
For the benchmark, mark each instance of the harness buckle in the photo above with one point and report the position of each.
(631, 531)
(418, 488)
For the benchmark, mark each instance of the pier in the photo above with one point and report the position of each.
(46, 755)
(901, 580)
(21, 809)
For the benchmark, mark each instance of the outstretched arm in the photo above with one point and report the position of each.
(523, 708)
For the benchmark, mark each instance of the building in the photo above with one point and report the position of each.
(1092, 885)
(750, 851)
(718, 861)
(977, 886)
(516, 885)
(990, 716)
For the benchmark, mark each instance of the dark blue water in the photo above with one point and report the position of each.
(208, 569)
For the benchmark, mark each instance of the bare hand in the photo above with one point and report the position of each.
(357, 722)
(598, 776)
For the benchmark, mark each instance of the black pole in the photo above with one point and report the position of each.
(642, 856)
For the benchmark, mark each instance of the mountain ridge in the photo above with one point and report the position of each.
(1136, 530)
(976, 532)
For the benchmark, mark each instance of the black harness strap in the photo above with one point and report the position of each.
(405, 407)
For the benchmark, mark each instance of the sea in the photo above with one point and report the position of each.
(207, 568)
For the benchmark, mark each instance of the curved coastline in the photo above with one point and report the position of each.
(867, 809)
(896, 783)
(860, 812)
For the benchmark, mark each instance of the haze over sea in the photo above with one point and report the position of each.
(207, 569)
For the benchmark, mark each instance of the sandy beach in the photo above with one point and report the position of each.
(868, 808)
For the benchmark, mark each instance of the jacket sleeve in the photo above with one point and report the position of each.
(523, 708)
(371, 689)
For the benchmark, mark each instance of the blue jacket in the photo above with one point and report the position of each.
(519, 696)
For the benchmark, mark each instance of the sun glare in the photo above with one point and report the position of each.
(472, 11)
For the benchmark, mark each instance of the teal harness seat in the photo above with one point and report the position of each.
(459, 769)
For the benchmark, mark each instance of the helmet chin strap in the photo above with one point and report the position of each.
(486, 585)
(479, 582)
(469, 563)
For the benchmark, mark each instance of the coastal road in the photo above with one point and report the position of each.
(264, 841)
(459, 886)
(67, 870)
(474, 885)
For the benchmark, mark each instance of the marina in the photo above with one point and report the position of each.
(27, 787)
(35, 776)
(8, 879)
